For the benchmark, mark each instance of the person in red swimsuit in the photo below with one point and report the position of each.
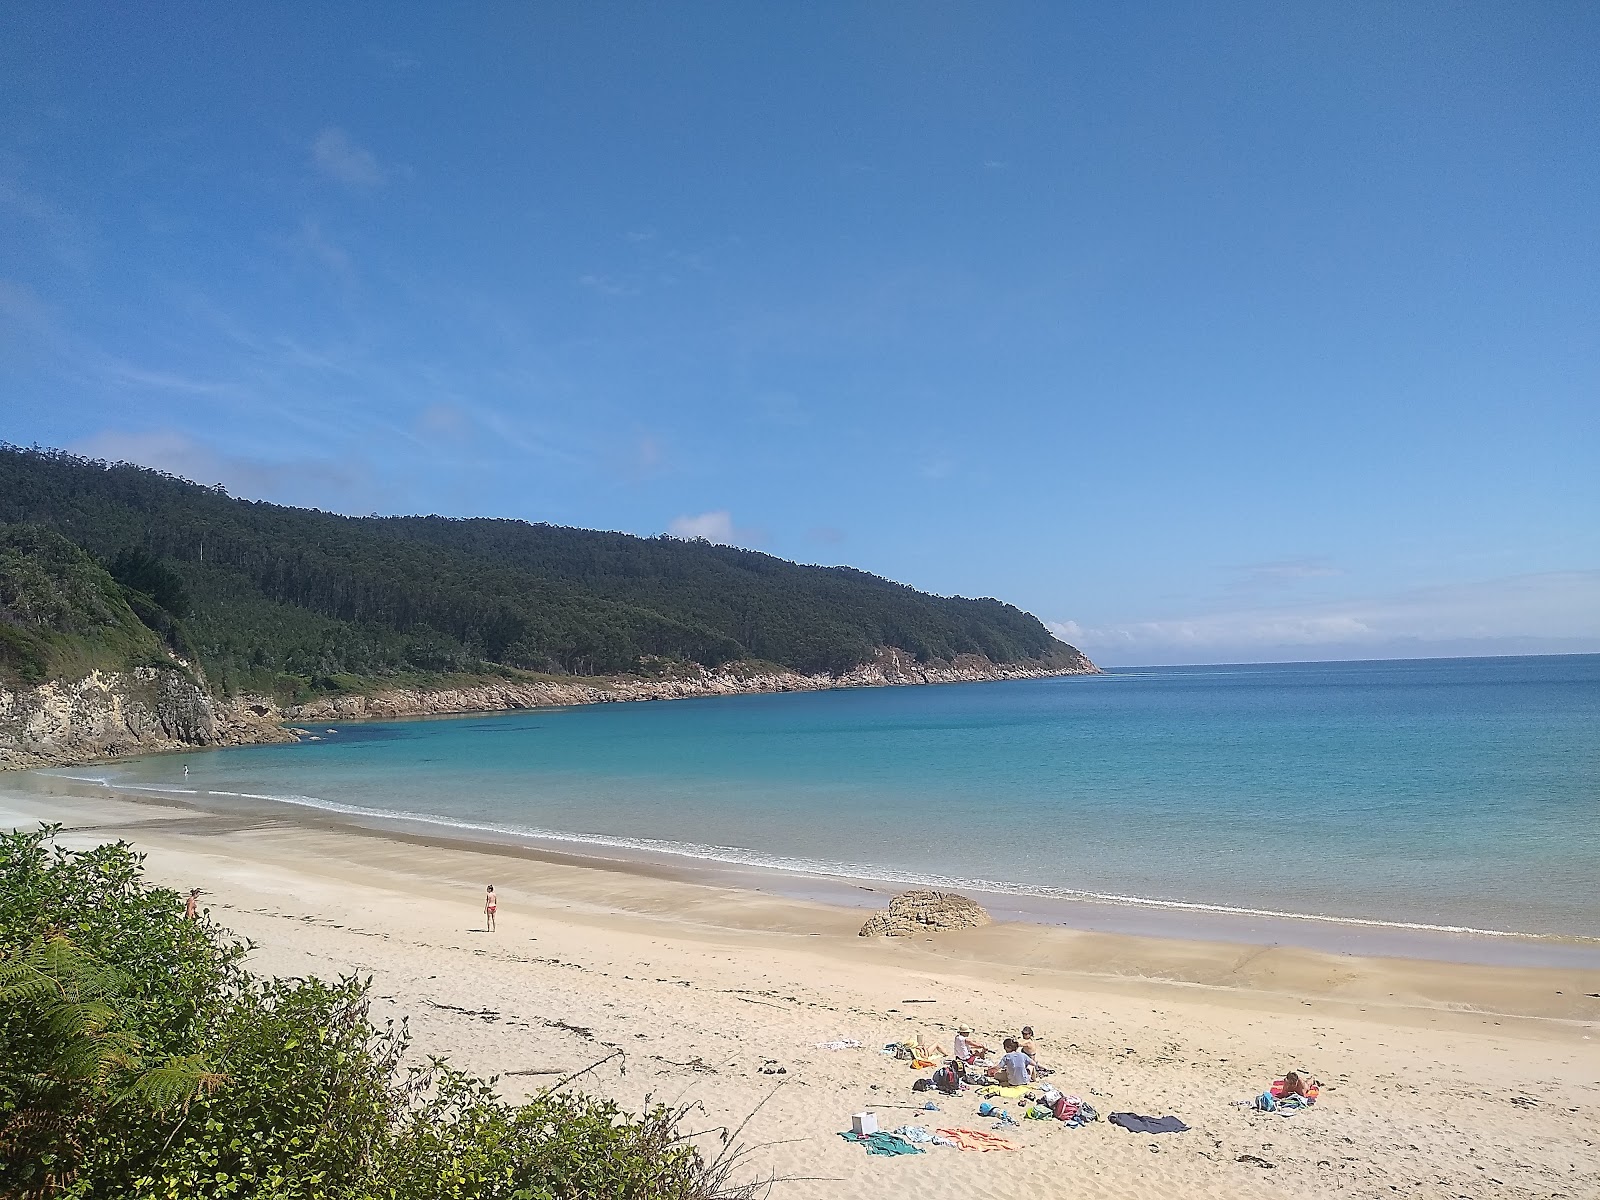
(490, 903)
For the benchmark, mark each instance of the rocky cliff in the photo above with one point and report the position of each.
(150, 710)
(114, 714)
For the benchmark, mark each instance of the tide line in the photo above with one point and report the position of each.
(745, 857)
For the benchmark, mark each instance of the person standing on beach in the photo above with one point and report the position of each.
(490, 903)
(191, 907)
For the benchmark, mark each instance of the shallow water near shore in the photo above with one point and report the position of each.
(1451, 795)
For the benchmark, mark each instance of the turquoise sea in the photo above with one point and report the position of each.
(1461, 793)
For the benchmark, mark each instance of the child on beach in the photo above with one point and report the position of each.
(490, 903)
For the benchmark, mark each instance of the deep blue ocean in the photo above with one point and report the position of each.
(1461, 792)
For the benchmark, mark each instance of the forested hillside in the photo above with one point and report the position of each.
(277, 599)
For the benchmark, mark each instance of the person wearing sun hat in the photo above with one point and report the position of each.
(964, 1048)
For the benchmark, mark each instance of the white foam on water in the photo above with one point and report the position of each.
(742, 856)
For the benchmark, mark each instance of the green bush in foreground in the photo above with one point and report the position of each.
(138, 1058)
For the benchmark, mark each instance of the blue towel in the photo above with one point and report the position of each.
(1134, 1123)
(881, 1143)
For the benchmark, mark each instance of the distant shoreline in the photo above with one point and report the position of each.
(116, 716)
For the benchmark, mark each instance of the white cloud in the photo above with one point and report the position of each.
(1552, 611)
(340, 158)
(713, 526)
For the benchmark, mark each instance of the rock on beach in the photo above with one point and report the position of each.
(916, 912)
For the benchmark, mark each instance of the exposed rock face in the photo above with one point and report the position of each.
(891, 667)
(925, 912)
(113, 714)
(149, 710)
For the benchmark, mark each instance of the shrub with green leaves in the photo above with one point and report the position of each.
(139, 1058)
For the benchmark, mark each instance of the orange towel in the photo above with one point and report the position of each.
(977, 1139)
(922, 1064)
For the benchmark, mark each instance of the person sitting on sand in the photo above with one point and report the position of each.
(490, 903)
(1015, 1069)
(1295, 1084)
(964, 1048)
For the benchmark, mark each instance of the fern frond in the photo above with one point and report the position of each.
(176, 1082)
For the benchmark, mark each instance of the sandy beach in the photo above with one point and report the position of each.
(1440, 1079)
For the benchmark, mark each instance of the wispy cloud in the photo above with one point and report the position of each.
(716, 526)
(305, 481)
(20, 305)
(396, 62)
(605, 285)
(1285, 573)
(61, 232)
(128, 375)
(311, 242)
(336, 156)
(1555, 610)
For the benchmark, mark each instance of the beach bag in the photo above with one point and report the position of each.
(946, 1081)
(1267, 1102)
(1064, 1109)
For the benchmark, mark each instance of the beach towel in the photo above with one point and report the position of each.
(1310, 1096)
(841, 1044)
(1135, 1123)
(977, 1139)
(880, 1143)
(1010, 1093)
(914, 1134)
(922, 1064)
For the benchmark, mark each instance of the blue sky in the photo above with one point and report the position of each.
(1205, 332)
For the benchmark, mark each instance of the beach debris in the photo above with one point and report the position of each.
(483, 1014)
(1260, 1162)
(922, 911)
(840, 1044)
(694, 1064)
(582, 1031)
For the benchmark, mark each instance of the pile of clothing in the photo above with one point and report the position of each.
(1288, 1095)
(1045, 1101)
(1074, 1111)
(909, 1052)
